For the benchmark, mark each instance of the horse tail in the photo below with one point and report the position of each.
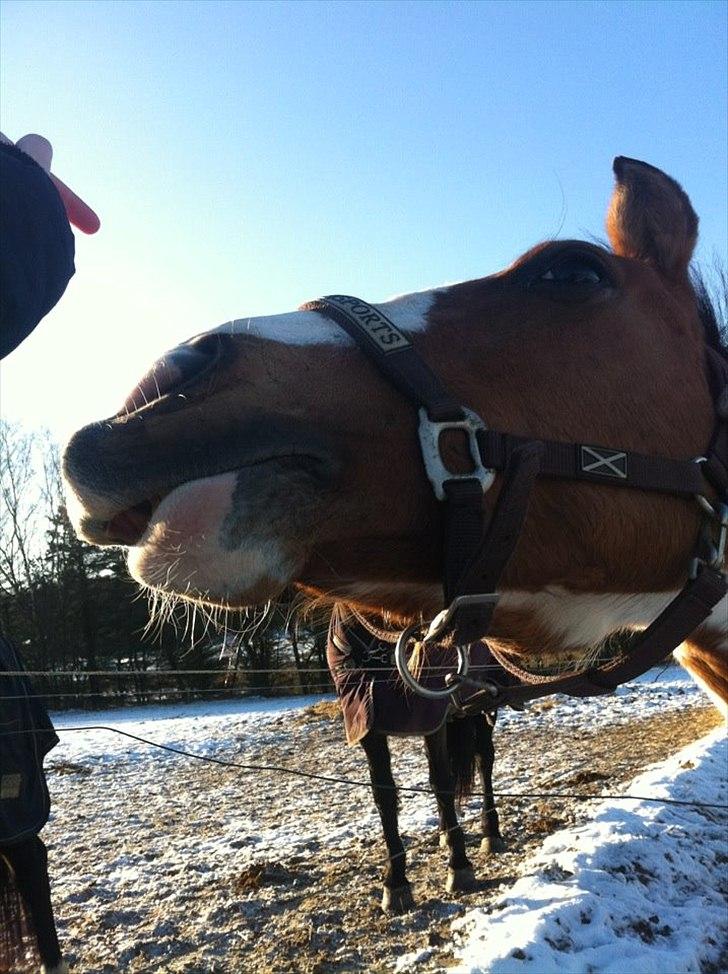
(11, 919)
(461, 751)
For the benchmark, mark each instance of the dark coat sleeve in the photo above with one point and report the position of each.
(36, 246)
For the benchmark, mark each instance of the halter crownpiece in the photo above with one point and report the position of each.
(476, 554)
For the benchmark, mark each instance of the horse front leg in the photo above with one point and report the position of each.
(492, 841)
(397, 893)
(29, 862)
(460, 875)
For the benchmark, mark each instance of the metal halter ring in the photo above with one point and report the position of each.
(400, 658)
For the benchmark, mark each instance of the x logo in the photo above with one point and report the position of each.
(606, 463)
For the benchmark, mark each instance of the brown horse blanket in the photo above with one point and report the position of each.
(372, 694)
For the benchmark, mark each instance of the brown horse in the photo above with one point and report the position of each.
(269, 451)
(376, 705)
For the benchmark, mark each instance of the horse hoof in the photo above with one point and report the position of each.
(443, 840)
(460, 880)
(397, 900)
(492, 845)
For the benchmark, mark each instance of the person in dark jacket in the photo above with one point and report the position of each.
(36, 264)
(27, 736)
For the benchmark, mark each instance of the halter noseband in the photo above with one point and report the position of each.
(476, 553)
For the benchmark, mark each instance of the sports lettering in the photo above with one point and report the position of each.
(373, 323)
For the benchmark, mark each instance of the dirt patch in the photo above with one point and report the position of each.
(325, 710)
(69, 767)
(262, 874)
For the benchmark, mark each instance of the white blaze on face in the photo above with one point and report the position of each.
(408, 312)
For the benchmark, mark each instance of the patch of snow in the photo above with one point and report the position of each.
(633, 890)
(407, 961)
(204, 726)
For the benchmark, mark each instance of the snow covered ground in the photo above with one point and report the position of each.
(641, 887)
(207, 727)
(164, 864)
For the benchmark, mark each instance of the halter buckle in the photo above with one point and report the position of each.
(437, 473)
(441, 623)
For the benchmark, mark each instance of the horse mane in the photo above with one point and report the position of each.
(711, 297)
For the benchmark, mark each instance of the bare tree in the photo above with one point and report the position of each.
(21, 520)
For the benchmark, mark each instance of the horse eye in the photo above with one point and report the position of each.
(573, 271)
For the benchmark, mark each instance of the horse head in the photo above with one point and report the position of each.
(269, 451)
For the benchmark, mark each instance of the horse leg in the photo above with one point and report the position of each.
(460, 874)
(29, 862)
(705, 657)
(492, 840)
(397, 893)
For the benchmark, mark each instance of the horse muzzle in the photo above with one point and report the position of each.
(118, 471)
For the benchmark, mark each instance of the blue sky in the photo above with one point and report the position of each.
(245, 157)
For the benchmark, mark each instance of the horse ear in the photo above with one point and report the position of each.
(650, 218)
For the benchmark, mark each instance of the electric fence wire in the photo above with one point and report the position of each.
(353, 783)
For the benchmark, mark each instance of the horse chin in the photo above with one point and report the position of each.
(208, 542)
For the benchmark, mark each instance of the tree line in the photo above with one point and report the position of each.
(72, 610)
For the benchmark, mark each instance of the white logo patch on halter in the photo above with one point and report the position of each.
(604, 463)
(365, 318)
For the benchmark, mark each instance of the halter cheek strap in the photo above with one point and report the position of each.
(476, 554)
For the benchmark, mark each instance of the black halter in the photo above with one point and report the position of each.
(476, 553)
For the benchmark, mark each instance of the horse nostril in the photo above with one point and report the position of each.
(188, 361)
(174, 370)
(195, 357)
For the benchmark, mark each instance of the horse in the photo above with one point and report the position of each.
(376, 705)
(284, 450)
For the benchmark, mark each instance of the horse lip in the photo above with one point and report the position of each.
(124, 528)
(118, 472)
(127, 527)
